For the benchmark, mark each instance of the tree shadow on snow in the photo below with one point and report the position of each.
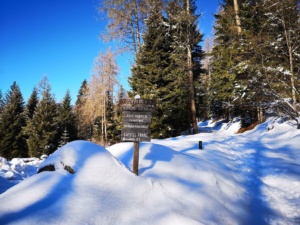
(260, 164)
(157, 153)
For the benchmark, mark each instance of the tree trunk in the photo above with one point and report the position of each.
(237, 17)
(290, 50)
(191, 77)
(260, 115)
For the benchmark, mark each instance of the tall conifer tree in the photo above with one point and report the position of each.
(32, 104)
(66, 120)
(187, 53)
(1, 102)
(12, 143)
(43, 127)
(84, 128)
(151, 76)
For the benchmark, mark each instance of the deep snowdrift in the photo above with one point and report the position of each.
(250, 178)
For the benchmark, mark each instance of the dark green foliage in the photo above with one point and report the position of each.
(113, 134)
(13, 143)
(81, 92)
(1, 102)
(151, 77)
(43, 128)
(84, 129)
(67, 127)
(32, 104)
(161, 69)
(253, 68)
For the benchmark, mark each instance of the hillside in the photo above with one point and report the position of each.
(249, 178)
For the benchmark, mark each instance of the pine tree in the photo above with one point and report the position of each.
(32, 104)
(281, 64)
(151, 77)
(43, 128)
(187, 52)
(1, 102)
(12, 143)
(235, 79)
(224, 56)
(66, 119)
(118, 114)
(113, 135)
(1, 111)
(64, 139)
(84, 128)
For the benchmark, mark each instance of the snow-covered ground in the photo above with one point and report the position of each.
(249, 178)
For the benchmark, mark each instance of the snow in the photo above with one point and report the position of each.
(249, 178)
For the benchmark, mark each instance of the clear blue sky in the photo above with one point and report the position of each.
(59, 38)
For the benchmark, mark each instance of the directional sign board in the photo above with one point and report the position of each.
(135, 135)
(138, 105)
(136, 116)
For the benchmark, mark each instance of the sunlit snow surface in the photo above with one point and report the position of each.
(250, 178)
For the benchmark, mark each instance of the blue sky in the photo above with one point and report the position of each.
(59, 38)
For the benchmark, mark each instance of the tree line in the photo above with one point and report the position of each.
(250, 68)
(253, 63)
(42, 125)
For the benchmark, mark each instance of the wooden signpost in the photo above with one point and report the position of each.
(136, 116)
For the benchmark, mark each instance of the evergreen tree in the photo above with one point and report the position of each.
(1, 110)
(236, 81)
(151, 77)
(187, 53)
(12, 143)
(66, 120)
(255, 56)
(281, 60)
(118, 114)
(43, 128)
(113, 135)
(84, 128)
(162, 71)
(224, 55)
(64, 139)
(32, 104)
(1, 102)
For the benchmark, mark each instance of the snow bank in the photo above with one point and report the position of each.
(249, 178)
(14, 171)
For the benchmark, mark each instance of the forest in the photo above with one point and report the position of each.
(249, 69)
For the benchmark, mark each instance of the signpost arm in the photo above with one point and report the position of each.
(135, 166)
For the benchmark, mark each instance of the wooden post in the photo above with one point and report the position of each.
(135, 165)
(200, 145)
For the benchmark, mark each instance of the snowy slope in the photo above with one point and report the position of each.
(250, 178)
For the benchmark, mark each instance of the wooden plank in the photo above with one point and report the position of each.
(136, 117)
(131, 101)
(132, 136)
(136, 125)
(137, 108)
(136, 130)
(138, 105)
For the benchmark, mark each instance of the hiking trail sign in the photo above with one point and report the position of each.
(136, 116)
